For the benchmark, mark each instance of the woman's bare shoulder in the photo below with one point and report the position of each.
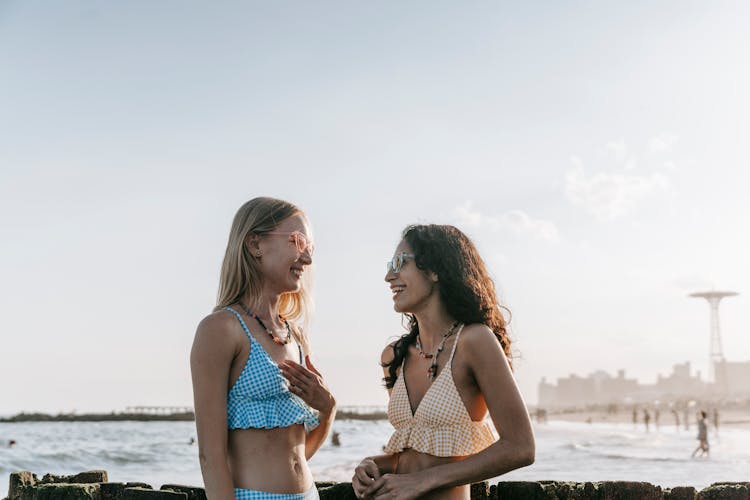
(478, 337)
(386, 357)
(219, 325)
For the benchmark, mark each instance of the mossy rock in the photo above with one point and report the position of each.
(61, 491)
(151, 494)
(339, 491)
(18, 480)
(192, 492)
(735, 491)
(680, 493)
(628, 490)
(526, 490)
(324, 484)
(479, 491)
(112, 491)
(568, 490)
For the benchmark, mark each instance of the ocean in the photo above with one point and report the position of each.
(160, 452)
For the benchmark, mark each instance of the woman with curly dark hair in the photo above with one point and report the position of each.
(446, 376)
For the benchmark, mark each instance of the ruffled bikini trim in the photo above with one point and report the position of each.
(270, 413)
(454, 440)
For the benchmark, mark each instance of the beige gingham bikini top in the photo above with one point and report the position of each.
(441, 425)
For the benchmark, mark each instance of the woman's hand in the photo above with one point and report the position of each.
(307, 383)
(364, 475)
(396, 486)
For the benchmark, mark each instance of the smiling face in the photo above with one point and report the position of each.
(281, 263)
(412, 288)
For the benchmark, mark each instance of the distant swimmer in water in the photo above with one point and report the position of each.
(192, 441)
(702, 435)
(336, 439)
(716, 420)
(12, 443)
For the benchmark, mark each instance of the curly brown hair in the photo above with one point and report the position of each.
(466, 289)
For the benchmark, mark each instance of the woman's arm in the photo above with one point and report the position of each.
(307, 383)
(369, 470)
(317, 437)
(372, 468)
(210, 360)
(515, 448)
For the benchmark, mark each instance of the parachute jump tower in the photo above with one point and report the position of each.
(717, 367)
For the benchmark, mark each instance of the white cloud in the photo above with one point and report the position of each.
(663, 142)
(631, 164)
(668, 165)
(618, 149)
(622, 155)
(608, 196)
(517, 221)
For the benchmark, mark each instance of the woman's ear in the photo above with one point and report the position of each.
(433, 277)
(252, 242)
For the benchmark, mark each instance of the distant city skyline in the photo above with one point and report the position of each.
(683, 384)
(724, 379)
(596, 153)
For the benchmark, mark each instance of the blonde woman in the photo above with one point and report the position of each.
(261, 408)
(445, 376)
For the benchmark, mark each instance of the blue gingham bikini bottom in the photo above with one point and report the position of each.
(242, 494)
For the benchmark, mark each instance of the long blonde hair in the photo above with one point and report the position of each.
(240, 273)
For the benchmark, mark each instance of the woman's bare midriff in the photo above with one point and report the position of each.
(413, 461)
(270, 460)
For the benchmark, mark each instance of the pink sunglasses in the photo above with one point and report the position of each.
(301, 241)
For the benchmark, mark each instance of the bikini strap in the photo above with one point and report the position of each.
(252, 339)
(239, 317)
(455, 344)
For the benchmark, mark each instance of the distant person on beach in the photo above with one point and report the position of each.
(541, 415)
(261, 408)
(702, 435)
(336, 439)
(445, 375)
(646, 418)
(676, 419)
(716, 420)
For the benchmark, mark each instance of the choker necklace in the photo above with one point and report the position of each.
(432, 370)
(270, 332)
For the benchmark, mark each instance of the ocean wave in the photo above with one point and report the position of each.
(577, 446)
(640, 459)
(121, 457)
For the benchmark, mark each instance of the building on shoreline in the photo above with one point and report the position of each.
(601, 388)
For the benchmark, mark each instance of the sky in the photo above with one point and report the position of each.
(596, 152)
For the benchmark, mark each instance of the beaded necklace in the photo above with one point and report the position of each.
(432, 370)
(270, 332)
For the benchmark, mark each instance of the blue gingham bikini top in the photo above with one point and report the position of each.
(260, 398)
